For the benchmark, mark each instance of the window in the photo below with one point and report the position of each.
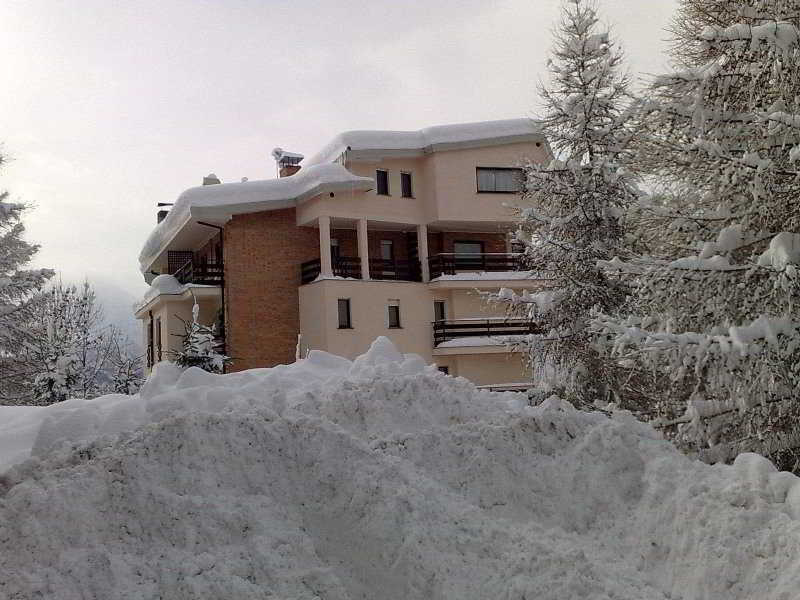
(334, 248)
(344, 314)
(439, 310)
(445, 370)
(158, 339)
(150, 360)
(467, 249)
(405, 184)
(382, 179)
(387, 249)
(393, 314)
(497, 180)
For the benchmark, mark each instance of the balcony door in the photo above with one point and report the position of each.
(468, 255)
(387, 259)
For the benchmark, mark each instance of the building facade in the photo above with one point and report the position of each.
(381, 233)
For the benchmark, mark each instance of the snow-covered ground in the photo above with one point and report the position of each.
(375, 479)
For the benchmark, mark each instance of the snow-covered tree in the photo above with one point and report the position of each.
(716, 312)
(17, 286)
(68, 347)
(572, 208)
(199, 346)
(125, 368)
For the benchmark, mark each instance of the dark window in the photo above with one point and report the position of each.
(387, 249)
(405, 184)
(501, 181)
(150, 360)
(467, 248)
(344, 314)
(445, 370)
(158, 339)
(394, 314)
(439, 310)
(382, 179)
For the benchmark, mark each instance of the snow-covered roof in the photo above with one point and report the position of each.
(216, 204)
(431, 139)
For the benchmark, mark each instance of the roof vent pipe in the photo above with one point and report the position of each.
(211, 179)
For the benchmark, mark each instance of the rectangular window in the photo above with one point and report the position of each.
(499, 180)
(467, 249)
(439, 310)
(344, 314)
(158, 339)
(445, 370)
(150, 360)
(393, 314)
(387, 249)
(382, 180)
(334, 248)
(405, 184)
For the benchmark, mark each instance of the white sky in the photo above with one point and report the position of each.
(110, 106)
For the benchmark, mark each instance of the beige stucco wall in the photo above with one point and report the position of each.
(368, 302)
(487, 369)
(171, 309)
(444, 186)
(368, 308)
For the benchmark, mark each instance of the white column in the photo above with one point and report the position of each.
(422, 250)
(363, 248)
(325, 246)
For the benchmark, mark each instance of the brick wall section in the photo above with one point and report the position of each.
(263, 253)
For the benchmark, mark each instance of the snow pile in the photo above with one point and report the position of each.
(377, 478)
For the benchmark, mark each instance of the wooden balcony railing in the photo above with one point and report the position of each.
(399, 270)
(343, 266)
(454, 329)
(200, 273)
(450, 264)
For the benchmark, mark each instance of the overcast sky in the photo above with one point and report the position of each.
(110, 106)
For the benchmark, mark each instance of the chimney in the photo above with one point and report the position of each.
(288, 162)
(211, 179)
(161, 214)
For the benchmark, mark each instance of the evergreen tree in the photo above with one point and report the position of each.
(572, 206)
(716, 312)
(17, 286)
(199, 346)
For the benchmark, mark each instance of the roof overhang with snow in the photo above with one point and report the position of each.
(365, 145)
(186, 225)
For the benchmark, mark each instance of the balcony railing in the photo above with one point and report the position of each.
(450, 264)
(399, 270)
(343, 266)
(446, 330)
(200, 273)
(349, 266)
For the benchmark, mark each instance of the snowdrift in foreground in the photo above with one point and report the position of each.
(376, 479)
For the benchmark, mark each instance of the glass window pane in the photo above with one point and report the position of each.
(467, 248)
(344, 313)
(485, 180)
(405, 180)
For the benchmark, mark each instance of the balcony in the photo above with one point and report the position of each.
(492, 331)
(200, 273)
(451, 264)
(350, 267)
(395, 269)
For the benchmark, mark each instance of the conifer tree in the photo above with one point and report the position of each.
(716, 311)
(17, 286)
(199, 346)
(572, 207)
